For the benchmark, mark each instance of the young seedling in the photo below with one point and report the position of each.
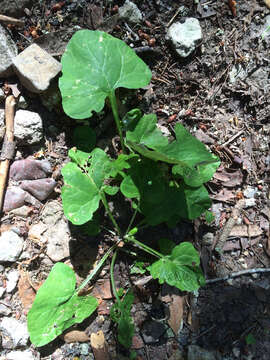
(164, 181)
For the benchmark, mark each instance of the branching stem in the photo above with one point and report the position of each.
(144, 247)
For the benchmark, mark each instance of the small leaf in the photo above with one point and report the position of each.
(120, 313)
(180, 268)
(84, 138)
(131, 118)
(57, 307)
(138, 267)
(93, 66)
(209, 217)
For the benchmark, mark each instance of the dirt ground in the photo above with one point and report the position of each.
(221, 94)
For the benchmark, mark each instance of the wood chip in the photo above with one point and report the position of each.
(267, 3)
(26, 291)
(99, 346)
(74, 336)
(246, 231)
(176, 312)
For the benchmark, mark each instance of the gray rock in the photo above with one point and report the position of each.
(195, 352)
(8, 51)
(53, 229)
(15, 330)
(14, 198)
(11, 246)
(30, 169)
(22, 211)
(36, 68)
(185, 36)
(20, 355)
(40, 188)
(2, 124)
(12, 279)
(28, 127)
(130, 12)
(15, 8)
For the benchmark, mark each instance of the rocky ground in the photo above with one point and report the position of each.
(214, 79)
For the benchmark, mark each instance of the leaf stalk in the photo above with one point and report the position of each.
(113, 102)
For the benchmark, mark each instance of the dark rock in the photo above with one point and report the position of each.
(30, 169)
(152, 331)
(40, 188)
(14, 198)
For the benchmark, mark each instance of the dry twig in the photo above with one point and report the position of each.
(11, 20)
(238, 273)
(8, 146)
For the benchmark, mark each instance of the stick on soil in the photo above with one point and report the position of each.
(8, 147)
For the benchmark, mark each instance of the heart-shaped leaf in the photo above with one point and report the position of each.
(57, 306)
(93, 66)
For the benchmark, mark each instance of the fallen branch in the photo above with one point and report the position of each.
(238, 273)
(229, 225)
(11, 20)
(8, 147)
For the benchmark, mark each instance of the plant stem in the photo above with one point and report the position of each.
(113, 102)
(107, 208)
(96, 269)
(112, 277)
(132, 220)
(144, 247)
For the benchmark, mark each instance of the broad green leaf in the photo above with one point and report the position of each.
(161, 200)
(180, 268)
(57, 307)
(120, 313)
(84, 184)
(82, 191)
(93, 66)
(84, 138)
(190, 158)
(91, 227)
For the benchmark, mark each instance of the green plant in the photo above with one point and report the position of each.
(164, 181)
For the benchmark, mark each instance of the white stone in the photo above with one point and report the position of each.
(185, 36)
(36, 68)
(8, 51)
(20, 355)
(2, 96)
(16, 330)
(11, 246)
(2, 291)
(130, 12)
(12, 279)
(28, 127)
